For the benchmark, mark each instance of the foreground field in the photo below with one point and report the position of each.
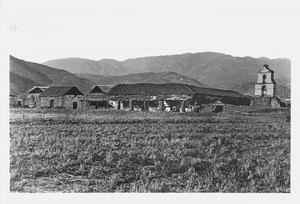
(117, 151)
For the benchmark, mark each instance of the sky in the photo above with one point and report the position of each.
(42, 30)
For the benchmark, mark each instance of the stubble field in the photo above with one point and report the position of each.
(118, 151)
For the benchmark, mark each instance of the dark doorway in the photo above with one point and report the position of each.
(119, 105)
(19, 103)
(74, 105)
(52, 103)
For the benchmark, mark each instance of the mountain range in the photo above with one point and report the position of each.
(213, 69)
(24, 75)
(148, 77)
(201, 69)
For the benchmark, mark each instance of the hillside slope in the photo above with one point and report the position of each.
(214, 69)
(24, 75)
(150, 77)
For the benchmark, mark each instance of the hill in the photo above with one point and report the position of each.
(24, 75)
(214, 69)
(149, 77)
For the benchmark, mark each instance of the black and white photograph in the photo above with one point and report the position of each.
(159, 97)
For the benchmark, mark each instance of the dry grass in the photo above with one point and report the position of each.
(116, 151)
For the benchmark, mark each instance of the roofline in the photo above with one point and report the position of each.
(189, 88)
(185, 85)
(94, 88)
(260, 71)
(267, 67)
(39, 87)
(41, 95)
(215, 89)
(106, 85)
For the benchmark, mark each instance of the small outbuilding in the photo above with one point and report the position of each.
(61, 97)
(217, 107)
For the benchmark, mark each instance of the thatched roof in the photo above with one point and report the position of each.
(215, 92)
(100, 89)
(105, 88)
(169, 89)
(61, 91)
(96, 89)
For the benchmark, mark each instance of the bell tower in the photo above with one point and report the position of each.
(266, 85)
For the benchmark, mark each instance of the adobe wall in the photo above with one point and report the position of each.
(269, 77)
(61, 102)
(68, 101)
(32, 100)
(12, 100)
(45, 102)
(271, 88)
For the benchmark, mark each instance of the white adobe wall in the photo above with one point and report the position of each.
(270, 89)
